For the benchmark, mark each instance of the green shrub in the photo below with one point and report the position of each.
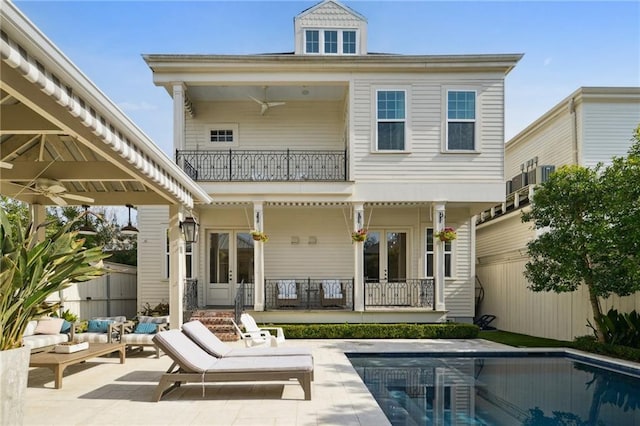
(380, 331)
(619, 328)
(590, 344)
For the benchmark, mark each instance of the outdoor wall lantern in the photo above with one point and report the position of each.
(129, 229)
(189, 228)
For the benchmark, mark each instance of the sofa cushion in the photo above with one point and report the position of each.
(43, 340)
(31, 328)
(49, 326)
(155, 320)
(146, 328)
(98, 326)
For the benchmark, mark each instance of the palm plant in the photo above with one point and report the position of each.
(32, 270)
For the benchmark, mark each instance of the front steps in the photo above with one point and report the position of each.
(219, 322)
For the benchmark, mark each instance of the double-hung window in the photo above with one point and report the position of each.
(429, 264)
(391, 120)
(330, 41)
(461, 120)
(312, 41)
(349, 42)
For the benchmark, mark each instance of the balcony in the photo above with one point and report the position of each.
(264, 166)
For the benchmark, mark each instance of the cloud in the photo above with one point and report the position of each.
(547, 61)
(137, 106)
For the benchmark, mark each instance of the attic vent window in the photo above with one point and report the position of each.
(223, 134)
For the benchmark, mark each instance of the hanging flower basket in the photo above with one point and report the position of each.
(446, 235)
(359, 235)
(259, 236)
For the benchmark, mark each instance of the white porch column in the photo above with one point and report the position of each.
(177, 267)
(178, 116)
(438, 270)
(358, 260)
(38, 216)
(258, 258)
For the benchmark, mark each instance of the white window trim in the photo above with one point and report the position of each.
(407, 119)
(445, 120)
(223, 126)
(452, 252)
(321, 41)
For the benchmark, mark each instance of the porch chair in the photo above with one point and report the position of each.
(192, 364)
(332, 293)
(138, 334)
(288, 293)
(251, 326)
(255, 339)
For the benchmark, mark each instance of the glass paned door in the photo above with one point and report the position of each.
(230, 261)
(385, 256)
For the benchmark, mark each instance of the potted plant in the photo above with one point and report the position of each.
(259, 236)
(446, 235)
(30, 271)
(359, 235)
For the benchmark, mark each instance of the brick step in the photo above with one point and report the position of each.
(228, 337)
(219, 323)
(221, 328)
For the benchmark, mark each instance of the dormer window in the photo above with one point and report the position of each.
(330, 42)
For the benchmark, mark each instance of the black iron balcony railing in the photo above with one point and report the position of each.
(264, 166)
(414, 293)
(309, 293)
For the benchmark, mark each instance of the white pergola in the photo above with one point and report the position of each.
(61, 138)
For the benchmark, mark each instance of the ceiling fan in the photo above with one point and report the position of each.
(5, 165)
(265, 105)
(55, 191)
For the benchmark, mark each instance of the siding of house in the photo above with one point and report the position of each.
(330, 15)
(153, 284)
(425, 113)
(608, 128)
(551, 143)
(296, 125)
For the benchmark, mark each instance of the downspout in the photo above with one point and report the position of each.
(574, 130)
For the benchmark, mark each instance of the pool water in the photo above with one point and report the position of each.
(537, 390)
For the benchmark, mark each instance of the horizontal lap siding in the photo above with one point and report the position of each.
(331, 255)
(459, 290)
(295, 125)
(153, 285)
(505, 235)
(425, 113)
(551, 143)
(608, 128)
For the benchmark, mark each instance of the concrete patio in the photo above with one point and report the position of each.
(104, 392)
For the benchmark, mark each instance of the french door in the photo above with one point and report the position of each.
(229, 263)
(385, 256)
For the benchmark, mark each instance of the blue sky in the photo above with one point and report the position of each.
(566, 44)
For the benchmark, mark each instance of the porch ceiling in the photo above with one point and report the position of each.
(275, 91)
(62, 141)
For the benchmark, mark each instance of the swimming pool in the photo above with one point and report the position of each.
(549, 389)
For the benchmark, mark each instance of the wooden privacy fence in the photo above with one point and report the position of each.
(109, 295)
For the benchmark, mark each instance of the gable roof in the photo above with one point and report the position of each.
(324, 3)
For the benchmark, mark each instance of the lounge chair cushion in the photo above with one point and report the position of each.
(49, 326)
(287, 289)
(332, 289)
(208, 341)
(184, 351)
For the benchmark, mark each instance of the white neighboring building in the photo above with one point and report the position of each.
(313, 145)
(591, 125)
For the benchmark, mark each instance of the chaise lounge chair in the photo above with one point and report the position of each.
(252, 328)
(208, 341)
(192, 364)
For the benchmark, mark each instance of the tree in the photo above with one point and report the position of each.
(589, 223)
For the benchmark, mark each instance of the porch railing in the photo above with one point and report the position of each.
(414, 293)
(268, 166)
(190, 298)
(309, 293)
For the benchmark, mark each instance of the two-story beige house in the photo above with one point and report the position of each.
(312, 146)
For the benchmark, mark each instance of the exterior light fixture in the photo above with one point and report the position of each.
(129, 229)
(87, 228)
(189, 228)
